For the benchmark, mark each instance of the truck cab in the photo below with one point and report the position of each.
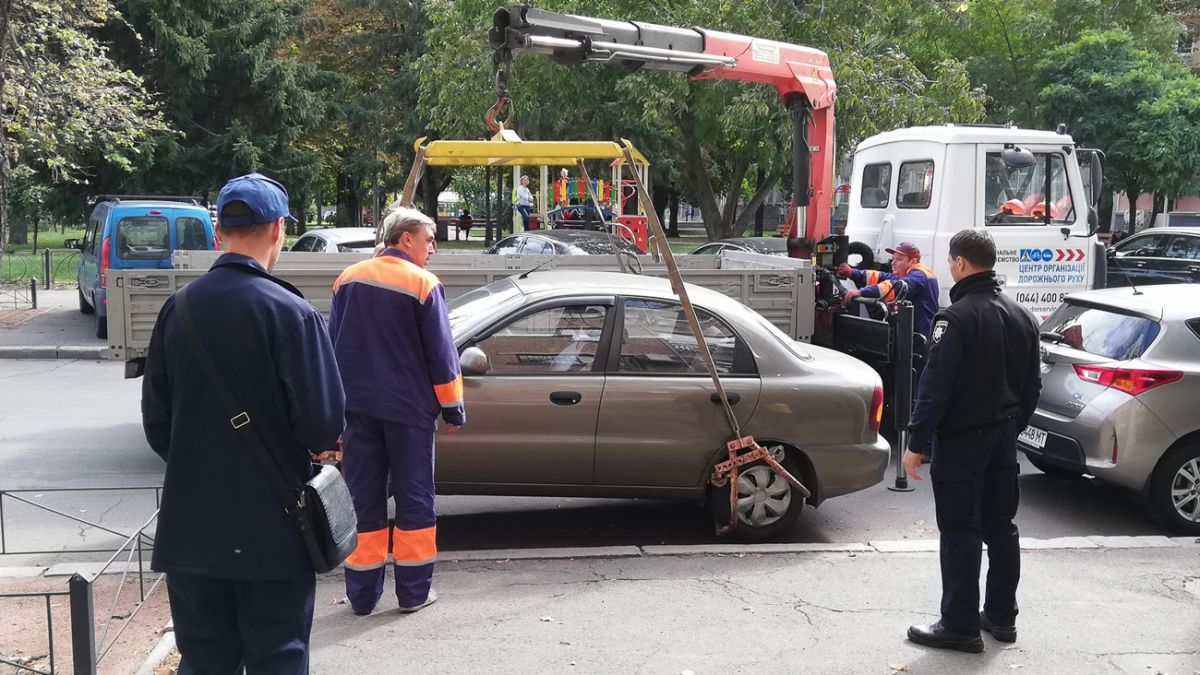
(1025, 187)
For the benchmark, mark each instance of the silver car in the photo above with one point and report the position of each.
(1120, 386)
(590, 384)
(336, 240)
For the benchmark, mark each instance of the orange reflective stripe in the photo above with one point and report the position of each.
(414, 547)
(885, 289)
(872, 277)
(449, 394)
(928, 272)
(371, 551)
(392, 274)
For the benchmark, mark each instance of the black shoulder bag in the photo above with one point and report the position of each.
(322, 507)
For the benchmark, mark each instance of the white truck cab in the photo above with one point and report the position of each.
(925, 184)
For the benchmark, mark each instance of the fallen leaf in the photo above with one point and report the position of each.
(852, 555)
(546, 619)
(747, 609)
(898, 667)
(341, 601)
(1015, 666)
(561, 642)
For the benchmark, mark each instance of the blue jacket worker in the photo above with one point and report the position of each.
(240, 581)
(978, 392)
(400, 369)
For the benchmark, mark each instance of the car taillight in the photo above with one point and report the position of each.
(216, 240)
(1132, 381)
(105, 253)
(877, 408)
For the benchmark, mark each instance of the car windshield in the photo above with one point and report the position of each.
(143, 237)
(1016, 195)
(483, 304)
(1101, 332)
(352, 246)
(791, 345)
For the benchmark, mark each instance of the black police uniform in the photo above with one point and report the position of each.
(978, 391)
(240, 582)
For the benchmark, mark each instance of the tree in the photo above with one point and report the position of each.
(63, 98)
(1102, 85)
(1170, 137)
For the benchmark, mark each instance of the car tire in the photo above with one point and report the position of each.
(84, 307)
(1179, 469)
(759, 477)
(860, 249)
(1052, 470)
(101, 326)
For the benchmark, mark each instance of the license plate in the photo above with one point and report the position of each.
(1033, 436)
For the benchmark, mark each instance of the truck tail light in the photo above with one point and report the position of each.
(1132, 381)
(105, 253)
(216, 240)
(877, 408)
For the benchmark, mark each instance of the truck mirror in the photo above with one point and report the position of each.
(1017, 158)
(1093, 217)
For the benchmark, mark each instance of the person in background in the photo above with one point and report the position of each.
(524, 201)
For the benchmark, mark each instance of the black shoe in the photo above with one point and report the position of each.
(935, 635)
(1001, 633)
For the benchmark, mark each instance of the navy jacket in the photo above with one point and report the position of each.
(922, 293)
(219, 517)
(984, 363)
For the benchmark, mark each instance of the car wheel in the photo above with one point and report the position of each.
(767, 504)
(1052, 470)
(101, 326)
(864, 252)
(84, 307)
(1175, 490)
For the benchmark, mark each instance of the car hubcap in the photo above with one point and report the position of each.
(1185, 491)
(763, 496)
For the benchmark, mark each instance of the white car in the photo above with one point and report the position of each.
(336, 240)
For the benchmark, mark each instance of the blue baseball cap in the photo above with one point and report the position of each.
(266, 198)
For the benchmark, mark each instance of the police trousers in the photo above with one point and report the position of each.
(378, 454)
(223, 625)
(974, 475)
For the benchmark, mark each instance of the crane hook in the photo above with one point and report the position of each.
(501, 68)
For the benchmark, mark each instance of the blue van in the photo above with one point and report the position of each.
(126, 232)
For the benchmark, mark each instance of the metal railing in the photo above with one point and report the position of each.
(14, 496)
(23, 667)
(18, 295)
(95, 648)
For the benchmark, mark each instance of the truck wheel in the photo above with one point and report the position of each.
(767, 505)
(1175, 489)
(101, 326)
(84, 307)
(864, 252)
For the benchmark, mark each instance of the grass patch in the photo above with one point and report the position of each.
(21, 262)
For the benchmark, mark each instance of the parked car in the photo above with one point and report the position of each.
(579, 216)
(1120, 382)
(1159, 255)
(336, 240)
(135, 233)
(764, 245)
(590, 384)
(563, 242)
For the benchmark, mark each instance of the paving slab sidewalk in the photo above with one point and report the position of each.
(55, 330)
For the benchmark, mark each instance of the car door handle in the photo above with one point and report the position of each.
(1194, 268)
(566, 397)
(1139, 264)
(732, 396)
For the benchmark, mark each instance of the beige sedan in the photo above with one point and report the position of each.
(590, 384)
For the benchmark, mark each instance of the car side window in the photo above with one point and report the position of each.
(656, 339)
(1145, 246)
(709, 249)
(509, 245)
(1184, 247)
(876, 185)
(89, 237)
(304, 244)
(537, 247)
(191, 234)
(914, 189)
(554, 340)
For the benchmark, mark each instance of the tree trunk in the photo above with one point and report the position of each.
(755, 203)
(349, 206)
(1132, 193)
(673, 226)
(18, 231)
(660, 197)
(696, 172)
(5, 166)
(1157, 208)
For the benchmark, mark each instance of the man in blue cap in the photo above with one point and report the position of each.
(240, 581)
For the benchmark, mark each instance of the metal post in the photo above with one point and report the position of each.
(83, 625)
(47, 256)
(487, 206)
(141, 581)
(33, 291)
(3, 540)
(902, 397)
(50, 633)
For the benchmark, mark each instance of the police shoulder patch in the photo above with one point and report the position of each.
(939, 329)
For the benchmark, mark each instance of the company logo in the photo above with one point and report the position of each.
(1046, 255)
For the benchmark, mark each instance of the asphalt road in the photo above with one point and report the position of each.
(75, 424)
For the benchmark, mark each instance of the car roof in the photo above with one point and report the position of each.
(584, 239)
(1167, 302)
(967, 133)
(551, 283)
(340, 234)
(152, 204)
(1168, 230)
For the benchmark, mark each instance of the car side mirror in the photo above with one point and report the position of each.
(72, 243)
(283, 248)
(474, 361)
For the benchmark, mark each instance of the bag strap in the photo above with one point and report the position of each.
(288, 496)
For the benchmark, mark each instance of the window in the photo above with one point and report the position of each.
(191, 234)
(876, 185)
(1184, 247)
(356, 246)
(478, 306)
(556, 340)
(305, 244)
(709, 249)
(1194, 324)
(914, 189)
(657, 340)
(1102, 332)
(535, 246)
(89, 237)
(1016, 196)
(1145, 246)
(143, 238)
(509, 245)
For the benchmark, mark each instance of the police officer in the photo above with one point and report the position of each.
(240, 581)
(400, 368)
(978, 392)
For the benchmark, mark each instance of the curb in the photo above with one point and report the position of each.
(77, 352)
(166, 644)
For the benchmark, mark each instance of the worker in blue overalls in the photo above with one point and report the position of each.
(400, 369)
(239, 577)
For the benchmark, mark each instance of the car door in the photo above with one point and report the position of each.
(89, 256)
(661, 421)
(531, 419)
(1181, 258)
(508, 245)
(1136, 259)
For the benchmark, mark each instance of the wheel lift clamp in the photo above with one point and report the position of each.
(507, 149)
